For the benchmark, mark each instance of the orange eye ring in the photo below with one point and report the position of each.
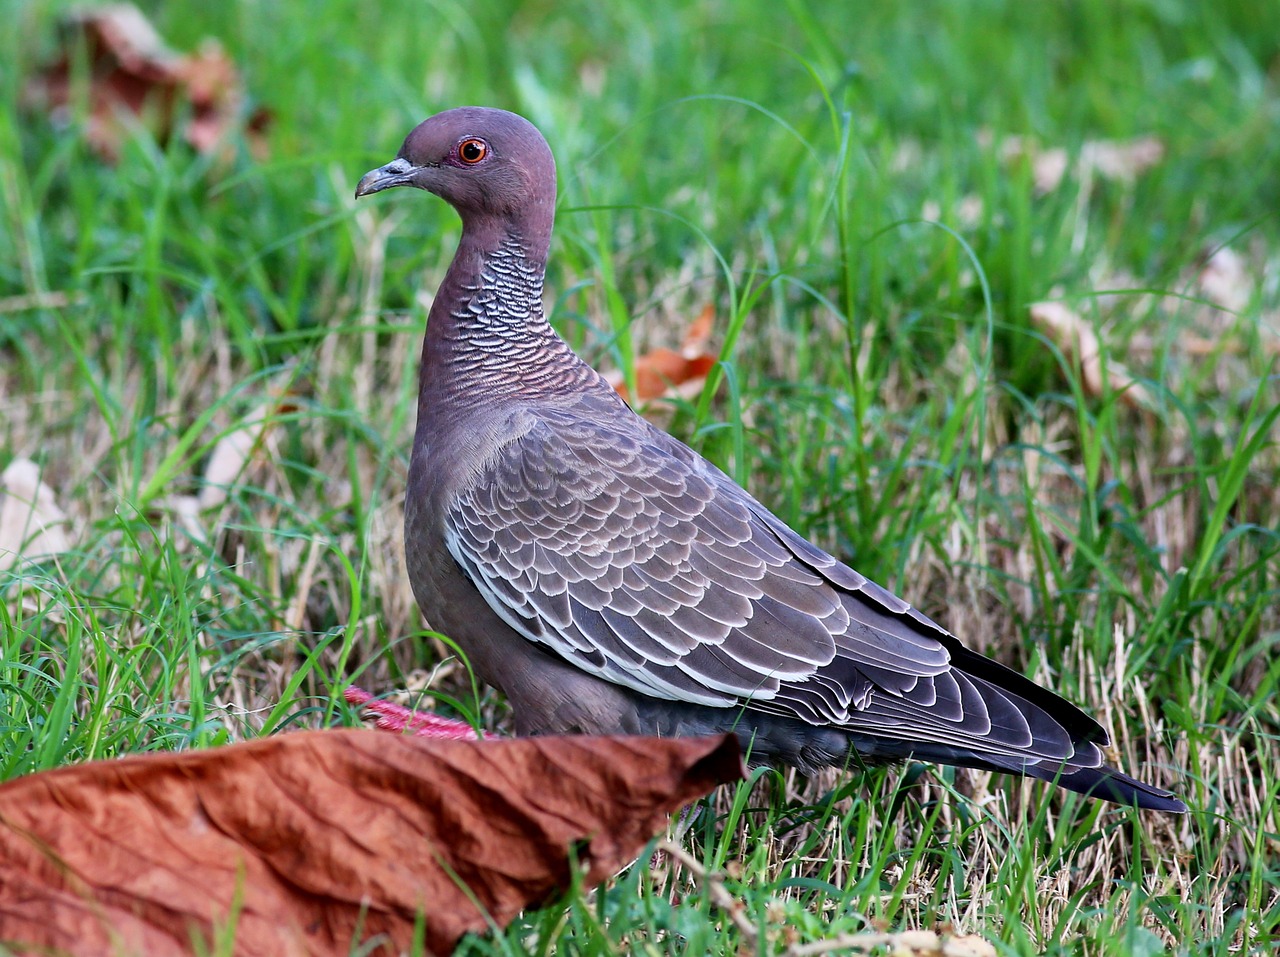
(472, 151)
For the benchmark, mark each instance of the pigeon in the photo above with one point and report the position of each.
(608, 579)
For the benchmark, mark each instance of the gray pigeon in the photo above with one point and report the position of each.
(608, 579)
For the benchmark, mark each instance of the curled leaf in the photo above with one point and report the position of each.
(305, 843)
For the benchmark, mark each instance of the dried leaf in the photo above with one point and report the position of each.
(906, 943)
(185, 510)
(698, 336)
(970, 945)
(1048, 169)
(1225, 281)
(31, 523)
(302, 843)
(233, 451)
(1222, 287)
(1076, 338)
(1122, 160)
(41, 300)
(231, 456)
(662, 372)
(135, 79)
(966, 214)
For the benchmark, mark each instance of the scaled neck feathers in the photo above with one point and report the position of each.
(488, 339)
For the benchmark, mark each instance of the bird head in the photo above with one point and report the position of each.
(485, 163)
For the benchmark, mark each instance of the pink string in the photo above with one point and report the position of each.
(399, 719)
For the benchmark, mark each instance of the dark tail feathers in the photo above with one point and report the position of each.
(1112, 785)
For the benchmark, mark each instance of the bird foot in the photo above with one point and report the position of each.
(397, 718)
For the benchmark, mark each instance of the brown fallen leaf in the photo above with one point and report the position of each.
(303, 843)
(134, 79)
(664, 372)
(1076, 338)
(31, 523)
(698, 336)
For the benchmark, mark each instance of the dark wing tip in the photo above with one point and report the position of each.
(1108, 784)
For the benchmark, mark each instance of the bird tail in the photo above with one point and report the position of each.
(1111, 785)
(1093, 779)
(1098, 781)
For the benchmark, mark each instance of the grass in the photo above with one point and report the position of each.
(829, 177)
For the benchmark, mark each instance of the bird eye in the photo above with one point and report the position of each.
(472, 151)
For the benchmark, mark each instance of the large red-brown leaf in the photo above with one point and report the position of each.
(302, 843)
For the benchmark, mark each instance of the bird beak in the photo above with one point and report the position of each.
(399, 172)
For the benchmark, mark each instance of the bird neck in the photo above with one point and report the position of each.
(487, 337)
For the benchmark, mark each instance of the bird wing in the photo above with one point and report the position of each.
(635, 559)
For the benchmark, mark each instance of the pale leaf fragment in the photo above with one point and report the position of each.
(31, 523)
(230, 456)
(1225, 281)
(1076, 338)
(967, 213)
(1119, 160)
(970, 945)
(907, 943)
(1048, 168)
